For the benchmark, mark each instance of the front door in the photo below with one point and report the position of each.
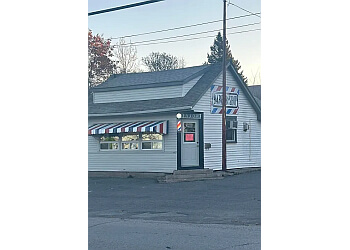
(190, 143)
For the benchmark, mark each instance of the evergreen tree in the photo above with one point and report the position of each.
(217, 54)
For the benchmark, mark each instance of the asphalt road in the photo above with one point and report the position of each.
(143, 214)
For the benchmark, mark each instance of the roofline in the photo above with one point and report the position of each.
(142, 112)
(203, 93)
(152, 85)
(246, 91)
(199, 73)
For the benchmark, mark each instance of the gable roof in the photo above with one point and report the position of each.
(246, 91)
(210, 73)
(255, 90)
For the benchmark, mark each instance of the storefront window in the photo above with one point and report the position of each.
(152, 141)
(109, 143)
(130, 142)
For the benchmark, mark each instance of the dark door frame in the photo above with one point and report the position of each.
(201, 141)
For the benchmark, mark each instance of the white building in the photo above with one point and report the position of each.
(135, 124)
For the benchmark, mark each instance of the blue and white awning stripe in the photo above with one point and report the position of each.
(129, 127)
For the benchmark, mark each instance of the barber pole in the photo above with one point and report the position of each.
(179, 126)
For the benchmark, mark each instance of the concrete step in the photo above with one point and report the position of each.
(192, 171)
(191, 175)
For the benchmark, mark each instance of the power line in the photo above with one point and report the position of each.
(198, 33)
(183, 27)
(188, 39)
(122, 7)
(244, 9)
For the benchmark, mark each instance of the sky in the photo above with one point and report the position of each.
(175, 13)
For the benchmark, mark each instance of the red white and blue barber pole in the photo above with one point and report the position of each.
(231, 100)
(178, 126)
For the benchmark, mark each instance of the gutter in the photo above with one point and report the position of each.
(142, 112)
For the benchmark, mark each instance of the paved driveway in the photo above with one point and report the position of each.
(143, 214)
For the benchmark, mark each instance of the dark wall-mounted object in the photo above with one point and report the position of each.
(245, 126)
(207, 145)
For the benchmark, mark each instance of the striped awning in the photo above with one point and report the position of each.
(129, 127)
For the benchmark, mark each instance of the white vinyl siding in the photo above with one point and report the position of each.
(187, 86)
(144, 94)
(138, 94)
(244, 153)
(163, 160)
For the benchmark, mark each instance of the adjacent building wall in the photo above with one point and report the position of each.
(138, 94)
(188, 85)
(140, 160)
(244, 153)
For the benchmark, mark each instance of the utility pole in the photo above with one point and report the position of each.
(224, 93)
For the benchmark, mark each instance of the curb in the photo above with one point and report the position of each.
(157, 175)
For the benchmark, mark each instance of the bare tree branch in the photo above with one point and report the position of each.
(126, 57)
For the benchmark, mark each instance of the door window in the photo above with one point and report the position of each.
(189, 132)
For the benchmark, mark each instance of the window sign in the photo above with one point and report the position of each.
(231, 100)
(189, 137)
(189, 131)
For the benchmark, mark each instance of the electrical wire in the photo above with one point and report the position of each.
(122, 7)
(183, 27)
(188, 39)
(192, 34)
(244, 9)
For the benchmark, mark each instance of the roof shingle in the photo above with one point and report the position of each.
(146, 78)
(210, 73)
(189, 99)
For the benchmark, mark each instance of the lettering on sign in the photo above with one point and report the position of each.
(231, 99)
(232, 94)
(191, 116)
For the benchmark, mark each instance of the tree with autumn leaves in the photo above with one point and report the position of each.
(100, 53)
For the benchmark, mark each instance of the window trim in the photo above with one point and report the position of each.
(130, 142)
(120, 143)
(152, 141)
(233, 128)
(153, 149)
(108, 142)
